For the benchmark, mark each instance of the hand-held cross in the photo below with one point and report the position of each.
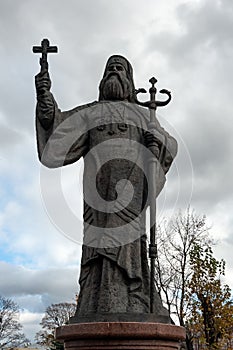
(44, 49)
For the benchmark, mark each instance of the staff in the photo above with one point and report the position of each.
(153, 163)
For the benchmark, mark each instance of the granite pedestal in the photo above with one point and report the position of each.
(120, 335)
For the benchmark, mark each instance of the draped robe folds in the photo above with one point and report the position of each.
(110, 136)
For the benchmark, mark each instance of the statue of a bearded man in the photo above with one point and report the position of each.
(112, 136)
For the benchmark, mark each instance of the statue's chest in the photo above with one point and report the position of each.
(115, 132)
(112, 125)
(110, 131)
(114, 121)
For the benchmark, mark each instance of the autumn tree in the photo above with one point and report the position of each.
(173, 271)
(10, 329)
(210, 302)
(177, 267)
(56, 315)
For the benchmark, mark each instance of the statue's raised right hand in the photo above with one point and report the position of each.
(42, 82)
(45, 100)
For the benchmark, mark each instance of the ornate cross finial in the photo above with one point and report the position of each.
(153, 103)
(153, 80)
(44, 49)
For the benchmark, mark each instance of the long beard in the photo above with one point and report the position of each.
(114, 87)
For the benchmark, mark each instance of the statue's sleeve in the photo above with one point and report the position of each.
(167, 146)
(168, 150)
(62, 137)
(167, 153)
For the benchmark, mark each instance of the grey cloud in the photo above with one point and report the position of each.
(32, 303)
(9, 137)
(35, 290)
(205, 28)
(210, 145)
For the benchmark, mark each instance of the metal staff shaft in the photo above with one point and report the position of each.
(152, 179)
(153, 245)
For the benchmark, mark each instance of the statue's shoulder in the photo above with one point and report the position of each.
(80, 108)
(138, 114)
(128, 111)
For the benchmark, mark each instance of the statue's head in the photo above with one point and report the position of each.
(117, 83)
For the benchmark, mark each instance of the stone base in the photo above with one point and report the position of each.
(120, 335)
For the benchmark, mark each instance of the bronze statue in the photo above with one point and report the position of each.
(113, 136)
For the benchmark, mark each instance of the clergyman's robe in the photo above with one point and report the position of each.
(110, 136)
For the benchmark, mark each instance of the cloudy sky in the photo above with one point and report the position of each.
(187, 45)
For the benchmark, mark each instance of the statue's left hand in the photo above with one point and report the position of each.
(153, 141)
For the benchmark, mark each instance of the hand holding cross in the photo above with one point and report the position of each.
(44, 49)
